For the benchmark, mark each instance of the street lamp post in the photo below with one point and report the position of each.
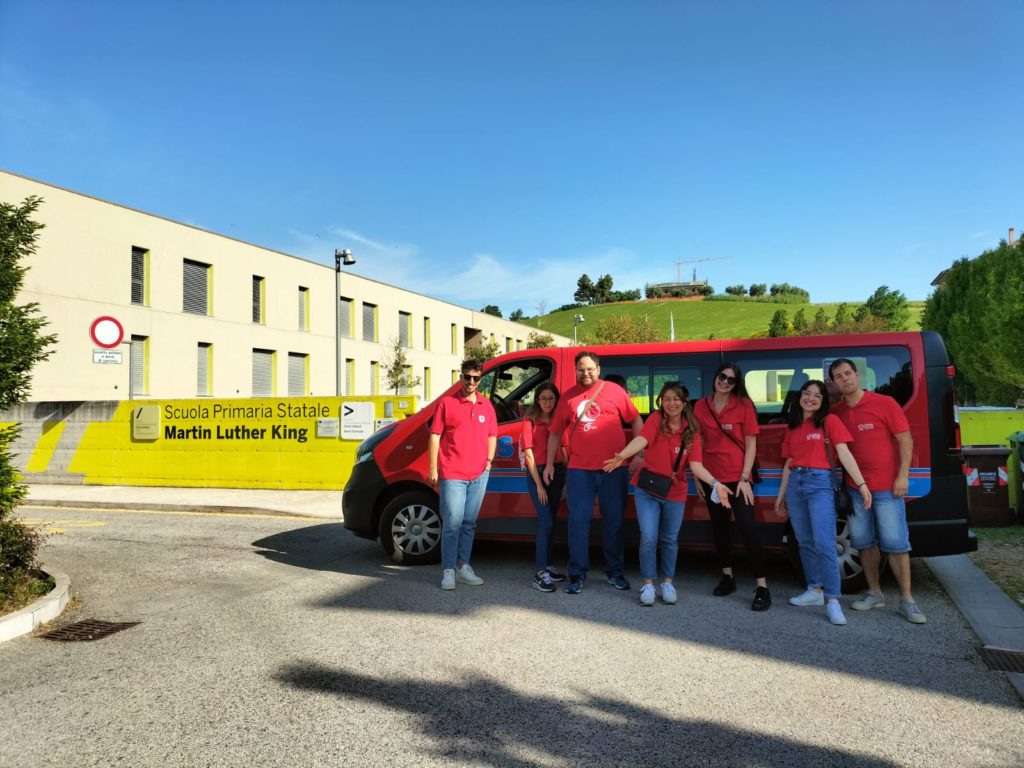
(576, 319)
(340, 257)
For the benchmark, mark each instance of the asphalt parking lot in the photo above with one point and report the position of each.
(275, 640)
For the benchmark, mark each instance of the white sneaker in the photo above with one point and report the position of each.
(911, 612)
(835, 612)
(668, 594)
(810, 597)
(867, 601)
(448, 578)
(647, 594)
(464, 575)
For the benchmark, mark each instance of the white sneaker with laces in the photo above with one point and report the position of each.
(810, 597)
(448, 578)
(647, 594)
(835, 612)
(867, 601)
(668, 594)
(911, 612)
(464, 575)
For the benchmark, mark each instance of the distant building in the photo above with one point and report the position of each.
(940, 279)
(206, 315)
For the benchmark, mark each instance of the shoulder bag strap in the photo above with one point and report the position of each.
(586, 408)
(711, 407)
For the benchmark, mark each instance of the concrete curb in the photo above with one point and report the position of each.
(206, 508)
(45, 609)
(996, 619)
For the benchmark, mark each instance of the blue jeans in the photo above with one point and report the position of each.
(546, 513)
(659, 520)
(883, 526)
(609, 488)
(812, 513)
(460, 505)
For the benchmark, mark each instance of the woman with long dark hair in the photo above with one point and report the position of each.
(545, 496)
(670, 439)
(728, 424)
(808, 491)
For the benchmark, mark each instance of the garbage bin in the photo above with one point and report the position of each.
(1016, 474)
(988, 496)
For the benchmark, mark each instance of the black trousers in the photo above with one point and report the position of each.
(721, 529)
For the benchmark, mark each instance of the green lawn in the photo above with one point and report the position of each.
(694, 319)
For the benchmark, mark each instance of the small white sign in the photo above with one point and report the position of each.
(327, 428)
(106, 356)
(379, 423)
(356, 420)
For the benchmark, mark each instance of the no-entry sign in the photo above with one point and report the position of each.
(106, 332)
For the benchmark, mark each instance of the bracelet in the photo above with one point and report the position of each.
(860, 484)
(744, 478)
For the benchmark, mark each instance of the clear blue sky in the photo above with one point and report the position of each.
(492, 152)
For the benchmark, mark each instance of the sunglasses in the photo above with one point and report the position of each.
(470, 377)
(727, 379)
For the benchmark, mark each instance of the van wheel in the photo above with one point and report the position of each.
(851, 573)
(410, 528)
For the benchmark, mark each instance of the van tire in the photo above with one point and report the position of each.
(410, 528)
(851, 573)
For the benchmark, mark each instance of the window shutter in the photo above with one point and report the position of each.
(296, 375)
(369, 322)
(262, 373)
(138, 365)
(194, 290)
(345, 313)
(138, 276)
(203, 369)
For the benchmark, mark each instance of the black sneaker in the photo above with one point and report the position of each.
(575, 585)
(726, 586)
(555, 575)
(762, 599)
(543, 582)
(619, 581)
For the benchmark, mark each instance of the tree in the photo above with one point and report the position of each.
(602, 289)
(820, 325)
(980, 313)
(735, 290)
(517, 315)
(800, 324)
(537, 340)
(758, 289)
(485, 352)
(779, 325)
(584, 290)
(623, 329)
(22, 345)
(397, 371)
(491, 309)
(841, 319)
(890, 306)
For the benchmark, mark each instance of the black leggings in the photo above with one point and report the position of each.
(721, 528)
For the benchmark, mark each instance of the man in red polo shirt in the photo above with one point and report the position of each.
(463, 437)
(883, 448)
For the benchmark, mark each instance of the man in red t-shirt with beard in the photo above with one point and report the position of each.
(593, 411)
(883, 448)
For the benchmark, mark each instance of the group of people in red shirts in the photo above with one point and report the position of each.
(575, 441)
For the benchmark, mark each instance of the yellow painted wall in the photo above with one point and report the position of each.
(237, 443)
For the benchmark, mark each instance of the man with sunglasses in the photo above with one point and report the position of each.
(593, 411)
(883, 448)
(463, 437)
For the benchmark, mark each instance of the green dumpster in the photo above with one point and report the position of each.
(987, 494)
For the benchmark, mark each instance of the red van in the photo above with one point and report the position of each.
(387, 496)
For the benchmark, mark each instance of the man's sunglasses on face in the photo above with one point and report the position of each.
(468, 377)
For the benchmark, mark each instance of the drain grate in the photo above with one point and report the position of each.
(87, 630)
(1002, 660)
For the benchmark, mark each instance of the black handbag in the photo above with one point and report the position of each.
(755, 473)
(844, 506)
(659, 485)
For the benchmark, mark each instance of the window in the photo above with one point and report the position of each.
(350, 376)
(345, 317)
(369, 322)
(426, 383)
(139, 365)
(303, 308)
(204, 360)
(455, 339)
(259, 314)
(374, 377)
(405, 329)
(140, 266)
(263, 373)
(298, 374)
(508, 343)
(645, 375)
(426, 333)
(195, 288)
(455, 376)
(511, 386)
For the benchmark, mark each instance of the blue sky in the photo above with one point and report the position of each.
(492, 152)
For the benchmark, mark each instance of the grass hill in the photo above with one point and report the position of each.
(693, 319)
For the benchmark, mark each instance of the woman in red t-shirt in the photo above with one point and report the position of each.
(534, 444)
(728, 426)
(670, 439)
(808, 490)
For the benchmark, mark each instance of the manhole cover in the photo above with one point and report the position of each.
(1001, 659)
(86, 630)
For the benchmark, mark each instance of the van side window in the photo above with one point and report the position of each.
(646, 375)
(510, 386)
(773, 379)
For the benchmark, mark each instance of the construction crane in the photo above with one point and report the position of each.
(695, 261)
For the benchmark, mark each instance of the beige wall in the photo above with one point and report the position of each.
(82, 270)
